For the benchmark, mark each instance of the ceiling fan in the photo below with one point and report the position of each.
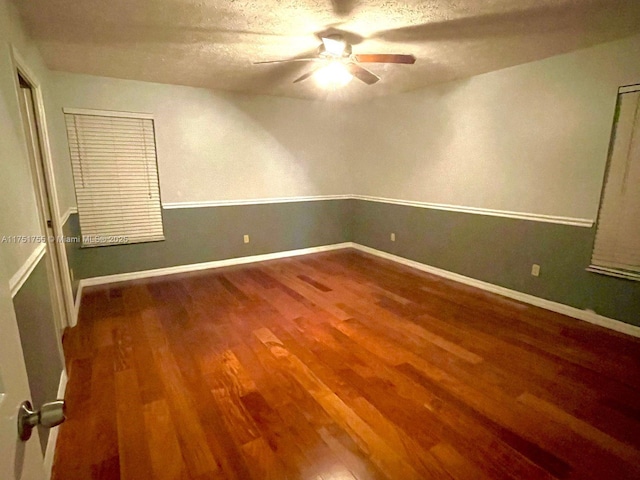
(337, 64)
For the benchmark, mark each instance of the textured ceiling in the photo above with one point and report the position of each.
(212, 43)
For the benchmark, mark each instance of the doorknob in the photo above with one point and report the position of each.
(49, 415)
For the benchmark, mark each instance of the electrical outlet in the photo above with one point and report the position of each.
(246, 239)
(535, 270)
(393, 237)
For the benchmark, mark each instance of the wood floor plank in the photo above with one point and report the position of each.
(546, 460)
(266, 464)
(192, 438)
(604, 441)
(133, 447)
(348, 452)
(71, 463)
(413, 452)
(340, 365)
(102, 420)
(455, 464)
(382, 455)
(278, 388)
(276, 434)
(166, 454)
(237, 419)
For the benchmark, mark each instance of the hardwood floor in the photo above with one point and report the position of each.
(340, 366)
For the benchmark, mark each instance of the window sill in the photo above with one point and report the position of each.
(114, 242)
(613, 272)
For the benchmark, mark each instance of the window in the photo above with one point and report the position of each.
(115, 173)
(617, 245)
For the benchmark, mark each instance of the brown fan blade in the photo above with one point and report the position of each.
(385, 58)
(306, 75)
(363, 74)
(289, 60)
(343, 8)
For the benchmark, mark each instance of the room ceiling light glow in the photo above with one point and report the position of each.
(334, 75)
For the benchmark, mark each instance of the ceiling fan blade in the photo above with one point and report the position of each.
(306, 75)
(363, 74)
(289, 60)
(343, 8)
(385, 58)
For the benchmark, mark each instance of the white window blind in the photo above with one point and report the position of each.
(617, 244)
(115, 174)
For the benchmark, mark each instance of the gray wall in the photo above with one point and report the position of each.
(195, 235)
(500, 251)
(36, 324)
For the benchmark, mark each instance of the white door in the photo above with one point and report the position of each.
(18, 460)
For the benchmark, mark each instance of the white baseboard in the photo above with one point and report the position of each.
(65, 217)
(159, 272)
(53, 433)
(586, 315)
(76, 305)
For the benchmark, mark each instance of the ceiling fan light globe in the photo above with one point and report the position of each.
(334, 75)
(334, 47)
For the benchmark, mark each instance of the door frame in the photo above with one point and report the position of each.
(65, 308)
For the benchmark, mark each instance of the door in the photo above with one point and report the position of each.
(45, 207)
(18, 460)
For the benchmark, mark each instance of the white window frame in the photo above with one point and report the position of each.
(144, 222)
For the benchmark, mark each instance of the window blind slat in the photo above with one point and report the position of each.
(115, 174)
